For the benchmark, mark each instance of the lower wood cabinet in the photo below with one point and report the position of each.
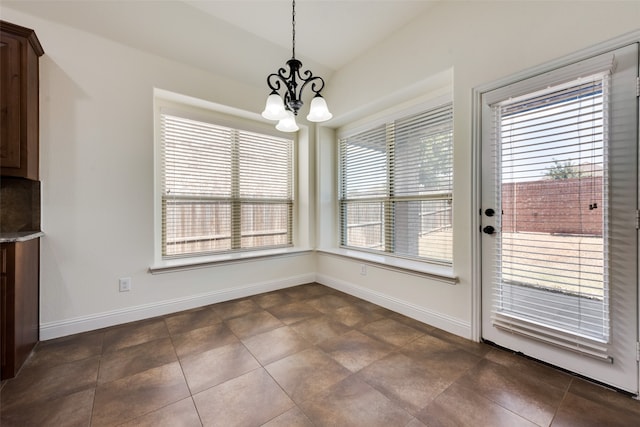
(19, 304)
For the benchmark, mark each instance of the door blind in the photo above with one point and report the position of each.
(223, 189)
(396, 187)
(551, 152)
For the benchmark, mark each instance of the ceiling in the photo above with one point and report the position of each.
(329, 32)
(240, 39)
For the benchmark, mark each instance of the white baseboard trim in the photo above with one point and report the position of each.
(50, 330)
(430, 317)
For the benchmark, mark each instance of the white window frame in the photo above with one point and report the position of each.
(423, 268)
(198, 109)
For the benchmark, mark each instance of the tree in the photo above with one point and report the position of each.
(564, 170)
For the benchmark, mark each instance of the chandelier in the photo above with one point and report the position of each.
(294, 81)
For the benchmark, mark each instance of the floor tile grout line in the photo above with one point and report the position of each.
(170, 336)
(191, 394)
(95, 388)
(502, 405)
(491, 400)
(564, 396)
(295, 404)
(193, 402)
(120, 422)
(261, 366)
(397, 349)
(264, 368)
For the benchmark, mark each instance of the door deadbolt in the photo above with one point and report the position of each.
(488, 230)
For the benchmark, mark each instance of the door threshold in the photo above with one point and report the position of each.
(566, 371)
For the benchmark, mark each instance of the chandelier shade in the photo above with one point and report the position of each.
(288, 124)
(318, 111)
(275, 109)
(292, 81)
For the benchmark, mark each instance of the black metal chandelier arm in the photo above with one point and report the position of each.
(275, 81)
(317, 83)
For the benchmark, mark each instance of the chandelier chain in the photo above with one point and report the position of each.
(293, 29)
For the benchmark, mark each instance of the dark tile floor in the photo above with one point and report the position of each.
(303, 356)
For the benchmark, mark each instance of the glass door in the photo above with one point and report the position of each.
(559, 198)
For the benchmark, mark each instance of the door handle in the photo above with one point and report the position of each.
(488, 230)
(489, 212)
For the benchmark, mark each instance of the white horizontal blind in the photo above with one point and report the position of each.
(265, 185)
(223, 189)
(364, 188)
(552, 247)
(396, 187)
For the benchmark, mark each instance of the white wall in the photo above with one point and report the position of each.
(481, 42)
(97, 157)
(96, 168)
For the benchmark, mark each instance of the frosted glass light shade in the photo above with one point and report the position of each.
(318, 111)
(288, 124)
(274, 109)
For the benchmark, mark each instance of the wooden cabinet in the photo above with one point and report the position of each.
(19, 86)
(19, 303)
(20, 51)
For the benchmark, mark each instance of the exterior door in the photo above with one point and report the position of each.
(559, 217)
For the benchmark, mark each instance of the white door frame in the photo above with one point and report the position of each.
(476, 138)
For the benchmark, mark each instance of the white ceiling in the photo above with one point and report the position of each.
(240, 39)
(329, 32)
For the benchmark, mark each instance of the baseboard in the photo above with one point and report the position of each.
(76, 325)
(430, 317)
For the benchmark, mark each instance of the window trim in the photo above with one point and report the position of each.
(394, 261)
(391, 262)
(232, 117)
(196, 262)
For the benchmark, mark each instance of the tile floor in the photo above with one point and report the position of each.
(303, 356)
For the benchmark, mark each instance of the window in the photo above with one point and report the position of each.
(554, 200)
(396, 187)
(223, 189)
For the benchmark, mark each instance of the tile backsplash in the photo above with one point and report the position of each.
(19, 204)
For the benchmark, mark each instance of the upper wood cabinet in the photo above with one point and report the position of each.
(19, 86)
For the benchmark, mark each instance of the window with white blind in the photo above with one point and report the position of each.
(223, 189)
(396, 187)
(552, 146)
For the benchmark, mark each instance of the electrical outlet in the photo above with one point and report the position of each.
(363, 269)
(125, 284)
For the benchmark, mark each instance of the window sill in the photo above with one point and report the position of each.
(172, 265)
(423, 269)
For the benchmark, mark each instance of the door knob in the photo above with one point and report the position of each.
(489, 212)
(488, 230)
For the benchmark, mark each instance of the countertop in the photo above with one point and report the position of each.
(19, 236)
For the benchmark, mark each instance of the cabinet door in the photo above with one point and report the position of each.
(19, 304)
(26, 299)
(3, 322)
(10, 100)
(7, 343)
